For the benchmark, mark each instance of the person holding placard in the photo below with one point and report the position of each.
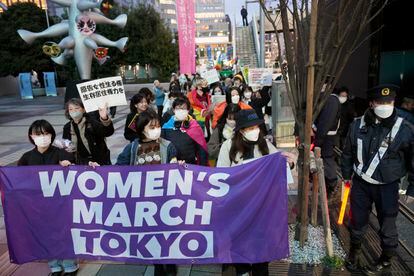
(87, 134)
(138, 104)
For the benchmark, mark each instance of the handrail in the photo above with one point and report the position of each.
(253, 23)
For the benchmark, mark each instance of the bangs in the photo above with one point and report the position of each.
(39, 130)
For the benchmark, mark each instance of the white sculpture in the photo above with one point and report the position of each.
(81, 42)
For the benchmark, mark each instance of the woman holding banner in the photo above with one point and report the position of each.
(87, 134)
(149, 149)
(137, 105)
(42, 134)
(248, 144)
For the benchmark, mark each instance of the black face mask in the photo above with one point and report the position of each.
(205, 89)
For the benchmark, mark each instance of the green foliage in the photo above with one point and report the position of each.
(16, 55)
(333, 262)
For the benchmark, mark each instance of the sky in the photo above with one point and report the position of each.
(233, 8)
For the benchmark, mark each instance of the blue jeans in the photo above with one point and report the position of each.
(66, 265)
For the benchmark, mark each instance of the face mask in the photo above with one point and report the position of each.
(217, 92)
(231, 123)
(247, 95)
(252, 135)
(181, 114)
(235, 99)
(153, 134)
(384, 111)
(42, 141)
(76, 115)
(342, 100)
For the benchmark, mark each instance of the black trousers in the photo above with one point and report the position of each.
(259, 269)
(245, 23)
(164, 270)
(329, 161)
(385, 197)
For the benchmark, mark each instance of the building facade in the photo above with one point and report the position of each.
(168, 14)
(212, 31)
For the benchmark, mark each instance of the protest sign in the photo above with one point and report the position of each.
(211, 75)
(216, 99)
(96, 93)
(245, 73)
(148, 214)
(259, 77)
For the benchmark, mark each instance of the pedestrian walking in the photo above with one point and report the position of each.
(378, 152)
(326, 137)
(159, 94)
(243, 13)
(88, 134)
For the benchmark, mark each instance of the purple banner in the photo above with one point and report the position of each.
(148, 214)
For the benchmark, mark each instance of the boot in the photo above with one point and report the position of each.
(353, 261)
(382, 265)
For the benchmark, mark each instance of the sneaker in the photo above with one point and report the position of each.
(381, 266)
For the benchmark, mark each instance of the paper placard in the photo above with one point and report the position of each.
(96, 93)
(211, 75)
(259, 77)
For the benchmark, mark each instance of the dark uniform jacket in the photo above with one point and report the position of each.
(398, 159)
(95, 133)
(51, 156)
(328, 119)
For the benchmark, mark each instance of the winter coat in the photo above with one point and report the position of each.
(129, 154)
(95, 133)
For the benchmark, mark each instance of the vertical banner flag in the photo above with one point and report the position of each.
(180, 214)
(186, 35)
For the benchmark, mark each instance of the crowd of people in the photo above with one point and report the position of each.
(193, 122)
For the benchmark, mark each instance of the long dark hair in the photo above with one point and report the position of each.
(239, 144)
(143, 119)
(231, 109)
(228, 94)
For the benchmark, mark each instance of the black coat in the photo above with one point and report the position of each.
(51, 156)
(129, 134)
(258, 103)
(398, 159)
(243, 12)
(95, 133)
(327, 119)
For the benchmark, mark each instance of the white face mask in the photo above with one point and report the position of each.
(76, 115)
(252, 135)
(181, 114)
(247, 95)
(235, 99)
(231, 123)
(384, 111)
(342, 100)
(217, 92)
(42, 141)
(153, 134)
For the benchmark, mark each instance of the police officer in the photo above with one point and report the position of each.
(379, 151)
(326, 136)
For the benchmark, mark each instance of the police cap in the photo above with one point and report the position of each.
(384, 92)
